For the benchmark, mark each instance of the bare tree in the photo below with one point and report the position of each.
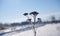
(39, 20)
(34, 13)
(26, 14)
(29, 20)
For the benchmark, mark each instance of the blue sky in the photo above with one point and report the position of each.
(12, 10)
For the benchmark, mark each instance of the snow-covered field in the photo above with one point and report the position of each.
(46, 30)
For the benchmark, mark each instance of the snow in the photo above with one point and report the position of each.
(46, 30)
(49, 30)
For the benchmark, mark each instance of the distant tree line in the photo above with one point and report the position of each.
(28, 22)
(53, 20)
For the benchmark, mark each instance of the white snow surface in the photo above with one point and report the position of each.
(46, 30)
